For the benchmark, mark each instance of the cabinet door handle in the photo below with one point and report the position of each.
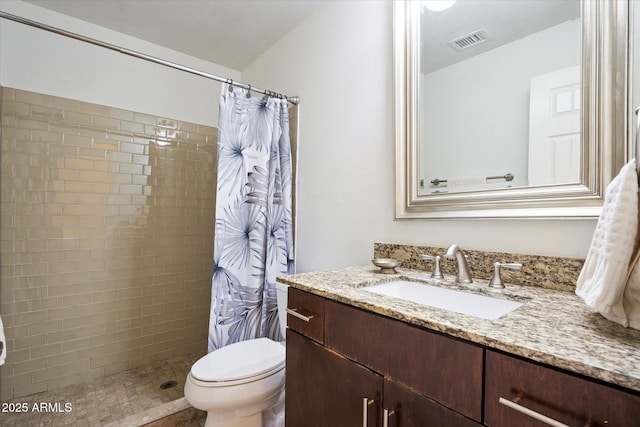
(385, 417)
(294, 313)
(533, 414)
(365, 410)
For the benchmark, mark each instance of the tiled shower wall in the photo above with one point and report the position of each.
(107, 237)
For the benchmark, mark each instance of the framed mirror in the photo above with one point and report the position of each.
(510, 109)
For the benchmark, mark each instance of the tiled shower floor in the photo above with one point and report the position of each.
(108, 400)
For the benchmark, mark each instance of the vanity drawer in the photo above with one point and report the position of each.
(305, 314)
(358, 334)
(561, 396)
(445, 369)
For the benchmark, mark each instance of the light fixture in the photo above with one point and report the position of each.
(438, 5)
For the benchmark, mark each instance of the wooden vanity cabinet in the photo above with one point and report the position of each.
(341, 355)
(421, 378)
(561, 396)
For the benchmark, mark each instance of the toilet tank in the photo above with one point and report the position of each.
(282, 291)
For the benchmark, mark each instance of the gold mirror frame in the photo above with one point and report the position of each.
(606, 136)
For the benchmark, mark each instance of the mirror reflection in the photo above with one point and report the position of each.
(499, 95)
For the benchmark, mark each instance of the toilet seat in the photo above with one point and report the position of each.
(239, 363)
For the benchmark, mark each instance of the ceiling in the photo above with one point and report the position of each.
(232, 33)
(505, 21)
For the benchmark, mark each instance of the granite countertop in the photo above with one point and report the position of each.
(552, 327)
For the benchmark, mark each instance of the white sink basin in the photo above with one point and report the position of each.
(480, 306)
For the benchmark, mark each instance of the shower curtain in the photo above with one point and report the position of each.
(253, 241)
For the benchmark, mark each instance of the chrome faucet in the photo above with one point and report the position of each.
(464, 274)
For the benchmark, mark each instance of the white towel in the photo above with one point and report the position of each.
(631, 296)
(603, 278)
(3, 340)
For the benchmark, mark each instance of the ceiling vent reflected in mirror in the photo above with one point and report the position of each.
(470, 40)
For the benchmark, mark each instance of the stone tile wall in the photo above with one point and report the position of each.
(106, 239)
(543, 271)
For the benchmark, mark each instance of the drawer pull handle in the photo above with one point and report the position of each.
(533, 414)
(385, 417)
(365, 410)
(294, 313)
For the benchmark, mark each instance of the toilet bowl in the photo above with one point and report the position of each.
(242, 384)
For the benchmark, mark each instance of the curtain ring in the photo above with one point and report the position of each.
(249, 92)
(230, 85)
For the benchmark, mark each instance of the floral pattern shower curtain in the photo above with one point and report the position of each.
(254, 227)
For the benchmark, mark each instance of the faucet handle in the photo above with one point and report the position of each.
(496, 280)
(437, 273)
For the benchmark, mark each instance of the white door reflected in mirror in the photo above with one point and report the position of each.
(554, 128)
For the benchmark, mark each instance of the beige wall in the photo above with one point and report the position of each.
(107, 237)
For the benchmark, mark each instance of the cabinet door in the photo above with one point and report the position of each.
(325, 389)
(564, 397)
(408, 409)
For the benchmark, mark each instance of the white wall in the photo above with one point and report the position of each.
(339, 61)
(40, 61)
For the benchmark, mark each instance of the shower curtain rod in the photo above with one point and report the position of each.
(292, 99)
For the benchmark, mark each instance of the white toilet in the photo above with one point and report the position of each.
(242, 384)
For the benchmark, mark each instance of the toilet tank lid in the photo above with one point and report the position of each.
(240, 360)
